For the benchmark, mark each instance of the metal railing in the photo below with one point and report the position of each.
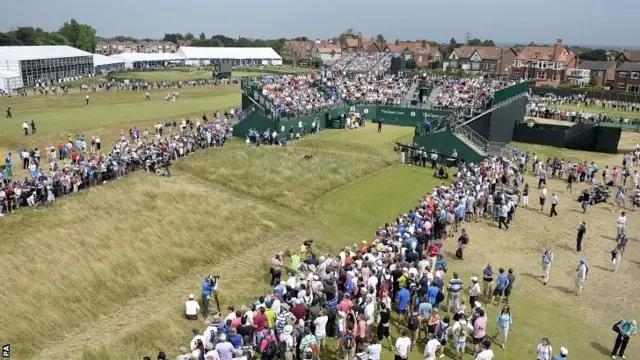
(476, 139)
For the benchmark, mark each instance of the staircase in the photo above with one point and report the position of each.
(411, 93)
(472, 139)
(433, 96)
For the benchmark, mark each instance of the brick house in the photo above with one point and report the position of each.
(546, 65)
(422, 53)
(298, 49)
(603, 71)
(399, 49)
(327, 53)
(628, 56)
(482, 59)
(627, 77)
(107, 47)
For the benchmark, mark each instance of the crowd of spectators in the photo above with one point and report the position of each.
(369, 88)
(469, 94)
(80, 163)
(293, 95)
(579, 108)
(349, 296)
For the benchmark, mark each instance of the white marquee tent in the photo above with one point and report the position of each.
(236, 56)
(10, 80)
(106, 64)
(46, 64)
(146, 60)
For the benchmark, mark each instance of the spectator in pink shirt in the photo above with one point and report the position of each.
(479, 330)
(346, 304)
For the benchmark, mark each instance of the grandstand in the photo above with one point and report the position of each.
(43, 64)
(235, 56)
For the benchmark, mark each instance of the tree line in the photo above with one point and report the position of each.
(224, 41)
(71, 33)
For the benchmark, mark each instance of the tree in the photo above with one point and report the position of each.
(173, 37)
(594, 55)
(27, 35)
(474, 42)
(593, 81)
(411, 64)
(380, 39)
(453, 42)
(347, 34)
(301, 38)
(189, 36)
(488, 42)
(202, 36)
(81, 36)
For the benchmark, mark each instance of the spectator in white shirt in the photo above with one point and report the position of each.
(486, 353)
(191, 308)
(621, 223)
(554, 203)
(543, 197)
(581, 276)
(431, 347)
(403, 345)
(374, 349)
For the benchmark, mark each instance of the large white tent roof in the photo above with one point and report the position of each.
(140, 57)
(40, 52)
(101, 60)
(7, 74)
(228, 53)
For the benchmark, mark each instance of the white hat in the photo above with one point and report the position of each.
(564, 351)
(191, 297)
(474, 278)
(477, 304)
(288, 329)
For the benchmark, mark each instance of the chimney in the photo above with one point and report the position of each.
(360, 43)
(558, 47)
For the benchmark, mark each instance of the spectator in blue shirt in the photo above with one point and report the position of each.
(432, 294)
(502, 281)
(207, 289)
(402, 306)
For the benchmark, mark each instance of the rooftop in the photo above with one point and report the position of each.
(228, 53)
(40, 52)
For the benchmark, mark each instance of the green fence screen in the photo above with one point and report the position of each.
(510, 92)
(445, 142)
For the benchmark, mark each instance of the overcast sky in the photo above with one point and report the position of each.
(586, 22)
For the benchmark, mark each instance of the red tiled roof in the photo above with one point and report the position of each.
(632, 55)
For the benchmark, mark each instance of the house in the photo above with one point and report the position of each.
(627, 77)
(482, 59)
(604, 72)
(399, 49)
(328, 54)
(546, 65)
(298, 48)
(351, 44)
(371, 46)
(107, 47)
(628, 56)
(185, 43)
(422, 53)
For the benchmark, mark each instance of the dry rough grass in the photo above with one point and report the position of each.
(279, 174)
(98, 250)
